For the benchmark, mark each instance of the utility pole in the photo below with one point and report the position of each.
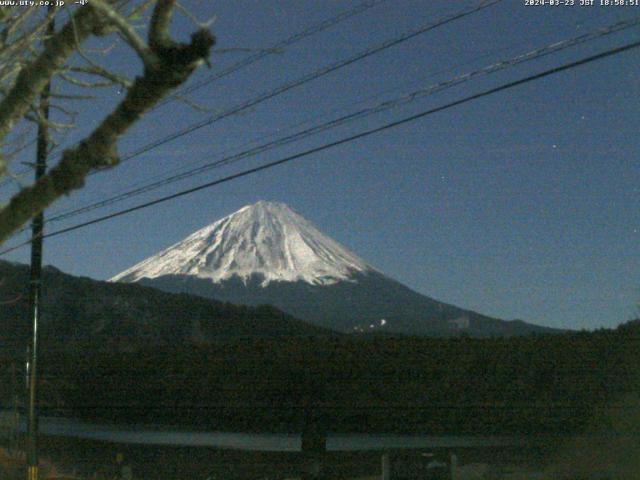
(15, 417)
(35, 283)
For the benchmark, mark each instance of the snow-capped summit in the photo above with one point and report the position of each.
(267, 254)
(267, 239)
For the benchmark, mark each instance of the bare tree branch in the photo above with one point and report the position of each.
(81, 83)
(98, 71)
(197, 23)
(175, 62)
(32, 79)
(159, 27)
(127, 32)
(139, 9)
(64, 96)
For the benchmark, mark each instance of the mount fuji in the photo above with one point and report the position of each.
(266, 253)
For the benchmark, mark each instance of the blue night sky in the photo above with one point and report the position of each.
(523, 204)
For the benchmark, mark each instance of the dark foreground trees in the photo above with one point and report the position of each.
(558, 384)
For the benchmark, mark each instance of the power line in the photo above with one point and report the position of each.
(342, 141)
(251, 59)
(313, 29)
(432, 89)
(140, 185)
(305, 79)
(319, 27)
(193, 87)
(308, 78)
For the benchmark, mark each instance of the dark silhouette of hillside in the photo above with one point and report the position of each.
(519, 385)
(85, 315)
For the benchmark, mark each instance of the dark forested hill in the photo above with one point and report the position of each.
(370, 303)
(87, 315)
(537, 384)
(268, 254)
(128, 353)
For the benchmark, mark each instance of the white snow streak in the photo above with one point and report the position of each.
(267, 239)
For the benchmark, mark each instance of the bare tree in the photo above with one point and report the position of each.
(27, 65)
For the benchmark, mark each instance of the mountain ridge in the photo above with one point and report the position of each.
(82, 314)
(268, 254)
(267, 238)
(372, 304)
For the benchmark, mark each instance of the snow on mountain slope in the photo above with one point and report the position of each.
(267, 239)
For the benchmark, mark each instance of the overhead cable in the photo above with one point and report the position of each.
(342, 141)
(386, 105)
